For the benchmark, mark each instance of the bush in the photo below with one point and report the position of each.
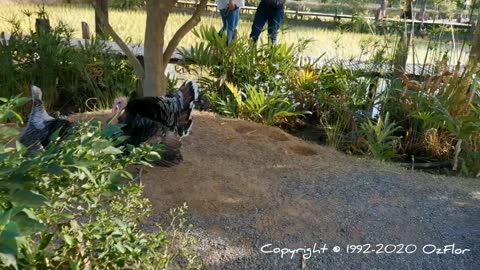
(380, 139)
(437, 120)
(72, 78)
(69, 207)
(244, 80)
(127, 4)
(447, 106)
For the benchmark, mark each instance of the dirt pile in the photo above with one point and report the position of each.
(248, 185)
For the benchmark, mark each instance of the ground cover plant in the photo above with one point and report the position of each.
(74, 205)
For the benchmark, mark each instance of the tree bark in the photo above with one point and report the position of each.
(474, 59)
(157, 16)
(99, 23)
(184, 29)
(152, 73)
(401, 55)
(156, 60)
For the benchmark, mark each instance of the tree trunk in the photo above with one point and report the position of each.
(99, 25)
(474, 59)
(155, 57)
(157, 16)
(401, 55)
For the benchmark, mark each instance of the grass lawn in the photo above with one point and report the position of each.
(131, 25)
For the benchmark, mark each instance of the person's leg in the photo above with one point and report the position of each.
(223, 15)
(274, 22)
(237, 19)
(259, 21)
(231, 18)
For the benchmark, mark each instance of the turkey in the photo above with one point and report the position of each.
(162, 120)
(40, 124)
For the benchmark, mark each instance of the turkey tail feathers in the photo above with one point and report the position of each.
(187, 95)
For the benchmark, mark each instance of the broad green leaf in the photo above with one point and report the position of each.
(26, 224)
(28, 198)
(54, 169)
(153, 156)
(8, 243)
(45, 241)
(85, 170)
(120, 247)
(112, 151)
(100, 145)
(12, 114)
(111, 131)
(19, 146)
(68, 239)
(86, 186)
(8, 131)
(75, 265)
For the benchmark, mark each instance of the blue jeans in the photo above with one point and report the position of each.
(230, 20)
(265, 13)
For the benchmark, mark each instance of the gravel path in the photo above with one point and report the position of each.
(249, 185)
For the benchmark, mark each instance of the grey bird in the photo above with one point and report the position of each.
(40, 124)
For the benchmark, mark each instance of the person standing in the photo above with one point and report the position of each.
(230, 13)
(271, 11)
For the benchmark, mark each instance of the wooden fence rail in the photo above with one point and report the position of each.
(301, 14)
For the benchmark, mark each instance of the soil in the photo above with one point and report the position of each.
(248, 185)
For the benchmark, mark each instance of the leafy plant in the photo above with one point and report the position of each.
(68, 75)
(380, 139)
(73, 205)
(447, 104)
(127, 4)
(8, 114)
(267, 107)
(264, 74)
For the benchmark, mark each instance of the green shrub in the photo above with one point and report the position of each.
(68, 75)
(127, 4)
(451, 107)
(73, 206)
(245, 80)
(433, 121)
(9, 115)
(381, 140)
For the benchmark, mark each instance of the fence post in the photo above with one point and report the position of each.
(85, 30)
(42, 25)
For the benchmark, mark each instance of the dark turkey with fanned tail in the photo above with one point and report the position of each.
(162, 120)
(40, 124)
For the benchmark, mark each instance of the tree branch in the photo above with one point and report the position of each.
(182, 31)
(137, 66)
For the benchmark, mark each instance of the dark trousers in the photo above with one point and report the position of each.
(266, 13)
